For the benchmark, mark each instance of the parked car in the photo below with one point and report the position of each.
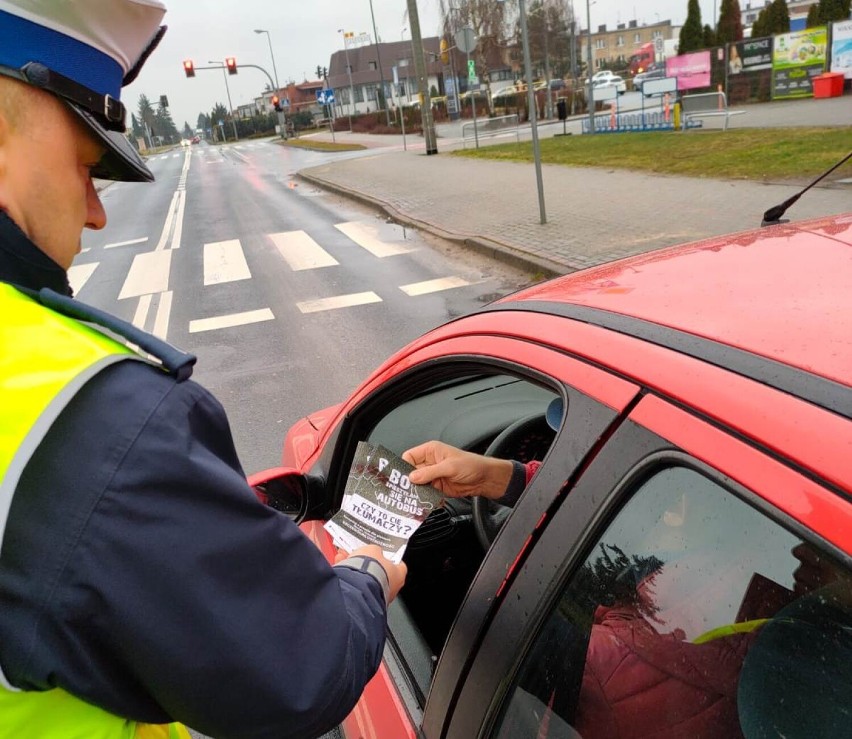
(614, 81)
(604, 74)
(656, 72)
(681, 562)
(196, 139)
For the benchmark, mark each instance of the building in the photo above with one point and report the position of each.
(360, 57)
(612, 49)
(798, 10)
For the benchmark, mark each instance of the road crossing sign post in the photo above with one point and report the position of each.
(325, 97)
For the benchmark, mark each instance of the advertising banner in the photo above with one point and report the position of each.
(841, 48)
(751, 55)
(692, 70)
(796, 59)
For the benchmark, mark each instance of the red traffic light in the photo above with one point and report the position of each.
(189, 68)
(276, 103)
(231, 64)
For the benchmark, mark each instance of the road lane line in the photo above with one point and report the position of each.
(224, 261)
(178, 232)
(126, 243)
(148, 274)
(434, 286)
(241, 156)
(341, 301)
(235, 319)
(164, 311)
(366, 236)
(301, 252)
(167, 226)
(79, 274)
(141, 315)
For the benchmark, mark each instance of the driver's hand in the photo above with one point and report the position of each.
(457, 473)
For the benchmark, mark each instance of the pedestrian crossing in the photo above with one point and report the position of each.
(224, 262)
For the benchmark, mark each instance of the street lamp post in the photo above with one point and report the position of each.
(533, 117)
(228, 90)
(282, 124)
(351, 105)
(379, 61)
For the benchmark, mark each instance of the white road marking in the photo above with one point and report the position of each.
(86, 250)
(175, 156)
(341, 301)
(235, 319)
(164, 311)
(366, 236)
(126, 243)
(79, 274)
(148, 274)
(167, 226)
(434, 286)
(181, 206)
(300, 251)
(141, 316)
(224, 261)
(241, 156)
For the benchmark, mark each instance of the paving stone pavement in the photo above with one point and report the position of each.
(593, 215)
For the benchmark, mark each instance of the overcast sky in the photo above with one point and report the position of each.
(304, 34)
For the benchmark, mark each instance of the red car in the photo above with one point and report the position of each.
(681, 563)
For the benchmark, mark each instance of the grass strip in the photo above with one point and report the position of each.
(749, 154)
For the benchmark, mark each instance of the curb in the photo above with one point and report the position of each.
(495, 250)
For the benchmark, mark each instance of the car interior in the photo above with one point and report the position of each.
(494, 414)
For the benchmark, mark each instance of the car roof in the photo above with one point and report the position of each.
(781, 292)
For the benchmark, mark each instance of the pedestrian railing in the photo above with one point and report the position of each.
(490, 127)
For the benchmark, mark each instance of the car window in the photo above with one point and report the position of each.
(468, 409)
(694, 614)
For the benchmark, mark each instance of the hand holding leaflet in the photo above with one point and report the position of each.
(380, 504)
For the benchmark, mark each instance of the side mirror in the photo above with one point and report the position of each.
(283, 489)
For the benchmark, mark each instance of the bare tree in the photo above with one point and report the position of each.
(491, 21)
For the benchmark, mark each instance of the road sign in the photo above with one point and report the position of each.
(286, 102)
(465, 40)
(325, 97)
(471, 72)
(658, 44)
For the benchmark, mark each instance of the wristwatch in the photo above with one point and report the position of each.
(362, 563)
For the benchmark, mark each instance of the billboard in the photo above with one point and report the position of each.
(796, 59)
(750, 55)
(841, 48)
(692, 70)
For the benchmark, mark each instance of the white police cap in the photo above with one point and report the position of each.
(84, 52)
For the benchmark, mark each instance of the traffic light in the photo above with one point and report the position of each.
(188, 68)
(445, 51)
(231, 64)
(276, 103)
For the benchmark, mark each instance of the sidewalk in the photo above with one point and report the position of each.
(593, 215)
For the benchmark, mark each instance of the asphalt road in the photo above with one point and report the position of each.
(289, 296)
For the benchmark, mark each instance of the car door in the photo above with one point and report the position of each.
(467, 400)
(689, 584)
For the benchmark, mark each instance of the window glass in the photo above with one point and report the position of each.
(693, 615)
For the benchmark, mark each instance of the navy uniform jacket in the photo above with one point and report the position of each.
(140, 573)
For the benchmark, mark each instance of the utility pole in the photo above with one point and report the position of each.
(422, 79)
(228, 90)
(351, 105)
(589, 71)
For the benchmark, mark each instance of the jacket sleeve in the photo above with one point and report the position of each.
(180, 596)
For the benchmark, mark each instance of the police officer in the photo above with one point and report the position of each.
(141, 582)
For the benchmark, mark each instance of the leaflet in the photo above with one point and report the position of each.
(380, 504)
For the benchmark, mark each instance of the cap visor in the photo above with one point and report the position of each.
(120, 161)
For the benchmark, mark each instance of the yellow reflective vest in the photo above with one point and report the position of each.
(45, 358)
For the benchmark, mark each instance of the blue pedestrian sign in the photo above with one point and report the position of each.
(325, 97)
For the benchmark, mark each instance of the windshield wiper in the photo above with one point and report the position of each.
(772, 215)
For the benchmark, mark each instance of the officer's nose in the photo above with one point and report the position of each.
(95, 214)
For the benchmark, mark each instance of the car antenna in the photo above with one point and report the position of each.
(773, 215)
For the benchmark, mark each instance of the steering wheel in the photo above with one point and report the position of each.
(488, 516)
